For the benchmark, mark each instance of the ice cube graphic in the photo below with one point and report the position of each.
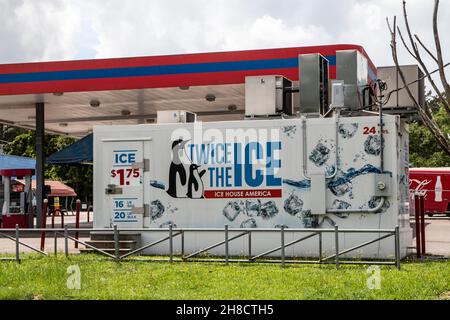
(232, 210)
(253, 207)
(293, 205)
(339, 204)
(348, 130)
(375, 201)
(290, 130)
(269, 210)
(320, 155)
(156, 209)
(340, 184)
(330, 170)
(372, 145)
(340, 189)
(248, 224)
(309, 220)
(167, 224)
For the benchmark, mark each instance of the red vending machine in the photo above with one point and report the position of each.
(434, 184)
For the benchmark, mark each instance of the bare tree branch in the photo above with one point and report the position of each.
(418, 58)
(405, 44)
(429, 122)
(425, 48)
(439, 49)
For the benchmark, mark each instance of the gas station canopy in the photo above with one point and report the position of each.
(71, 97)
(80, 94)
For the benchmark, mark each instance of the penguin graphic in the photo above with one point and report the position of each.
(177, 169)
(195, 182)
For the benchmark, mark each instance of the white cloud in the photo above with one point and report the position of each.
(67, 29)
(268, 32)
(38, 30)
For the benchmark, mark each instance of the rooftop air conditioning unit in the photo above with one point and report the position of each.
(268, 96)
(314, 78)
(400, 99)
(352, 67)
(176, 116)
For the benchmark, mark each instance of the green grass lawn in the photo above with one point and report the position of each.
(46, 278)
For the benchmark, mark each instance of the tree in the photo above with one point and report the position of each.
(78, 177)
(8, 133)
(424, 152)
(430, 119)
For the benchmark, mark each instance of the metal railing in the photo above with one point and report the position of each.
(419, 223)
(336, 258)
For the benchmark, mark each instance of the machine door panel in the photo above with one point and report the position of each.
(123, 182)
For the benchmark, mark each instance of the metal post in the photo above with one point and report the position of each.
(6, 192)
(77, 221)
(422, 223)
(397, 247)
(417, 227)
(336, 242)
(66, 241)
(56, 244)
(44, 224)
(320, 247)
(249, 246)
(89, 213)
(283, 249)
(17, 244)
(226, 244)
(40, 158)
(29, 210)
(182, 243)
(116, 243)
(171, 242)
(53, 213)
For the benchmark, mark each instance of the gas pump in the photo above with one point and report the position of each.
(17, 206)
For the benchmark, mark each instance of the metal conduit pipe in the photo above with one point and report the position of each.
(382, 86)
(304, 150)
(383, 199)
(305, 158)
(370, 210)
(381, 138)
(305, 173)
(337, 115)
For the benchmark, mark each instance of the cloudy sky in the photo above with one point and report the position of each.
(42, 30)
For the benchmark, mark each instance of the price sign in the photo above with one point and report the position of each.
(124, 172)
(126, 176)
(122, 208)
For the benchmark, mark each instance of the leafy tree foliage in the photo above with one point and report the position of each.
(78, 177)
(424, 151)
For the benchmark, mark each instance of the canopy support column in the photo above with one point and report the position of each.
(40, 158)
(6, 194)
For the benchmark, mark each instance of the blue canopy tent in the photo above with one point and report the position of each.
(81, 152)
(8, 162)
